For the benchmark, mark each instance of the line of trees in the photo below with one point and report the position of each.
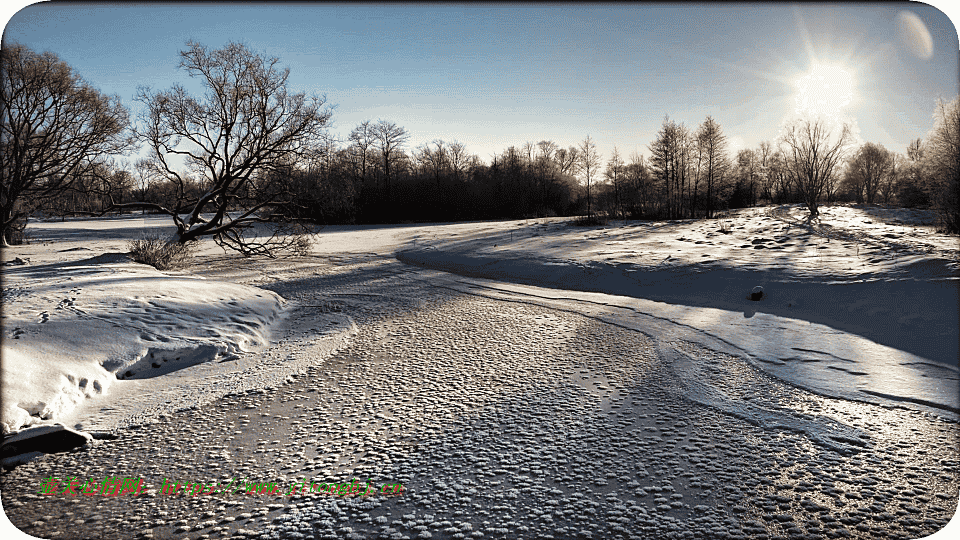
(253, 151)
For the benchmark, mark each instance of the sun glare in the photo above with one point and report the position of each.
(824, 91)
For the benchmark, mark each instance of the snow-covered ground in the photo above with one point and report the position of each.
(83, 322)
(861, 305)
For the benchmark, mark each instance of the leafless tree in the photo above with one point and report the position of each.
(362, 139)
(942, 160)
(638, 176)
(890, 182)
(915, 150)
(547, 149)
(813, 152)
(868, 169)
(436, 161)
(589, 163)
(747, 169)
(145, 171)
(459, 159)
(390, 138)
(764, 155)
(568, 160)
(55, 129)
(527, 151)
(669, 155)
(246, 126)
(615, 174)
(546, 168)
(713, 145)
(780, 189)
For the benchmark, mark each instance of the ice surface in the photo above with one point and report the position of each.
(862, 304)
(854, 307)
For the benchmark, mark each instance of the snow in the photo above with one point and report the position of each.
(861, 305)
(94, 340)
(80, 329)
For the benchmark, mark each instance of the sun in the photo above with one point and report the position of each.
(824, 91)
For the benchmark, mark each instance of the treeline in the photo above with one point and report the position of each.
(293, 169)
(690, 174)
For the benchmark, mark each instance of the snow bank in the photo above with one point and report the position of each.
(77, 330)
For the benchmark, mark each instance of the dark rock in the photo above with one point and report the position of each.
(757, 293)
(46, 439)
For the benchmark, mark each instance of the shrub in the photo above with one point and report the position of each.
(589, 221)
(159, 252)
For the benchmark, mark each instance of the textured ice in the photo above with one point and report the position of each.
(861, 305)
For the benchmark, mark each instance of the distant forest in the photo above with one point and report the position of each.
(268, 155)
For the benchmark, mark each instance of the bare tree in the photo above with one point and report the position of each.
(867, 169)
(527, 151)
(812, 152)
(915, 150)
(459, 159)
(362, 139)
(638, 175)
(568, 160)
(145, 171)
(942, 160)
(390, 138)
(547, 149)
(669, 155)
(890, 182)
(436, 161)
(764, 158)
(589, 163)
(779, 177)
(713, 146)
(55, 129)
(747, 165)
(615, 173)
(545, 168)
(247, 125)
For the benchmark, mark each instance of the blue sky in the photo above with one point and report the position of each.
(494, 75)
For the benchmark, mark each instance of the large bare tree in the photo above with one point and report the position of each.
(813, 150)
(55, 128)
(247, 125)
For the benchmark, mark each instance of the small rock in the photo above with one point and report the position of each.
(757, 293)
